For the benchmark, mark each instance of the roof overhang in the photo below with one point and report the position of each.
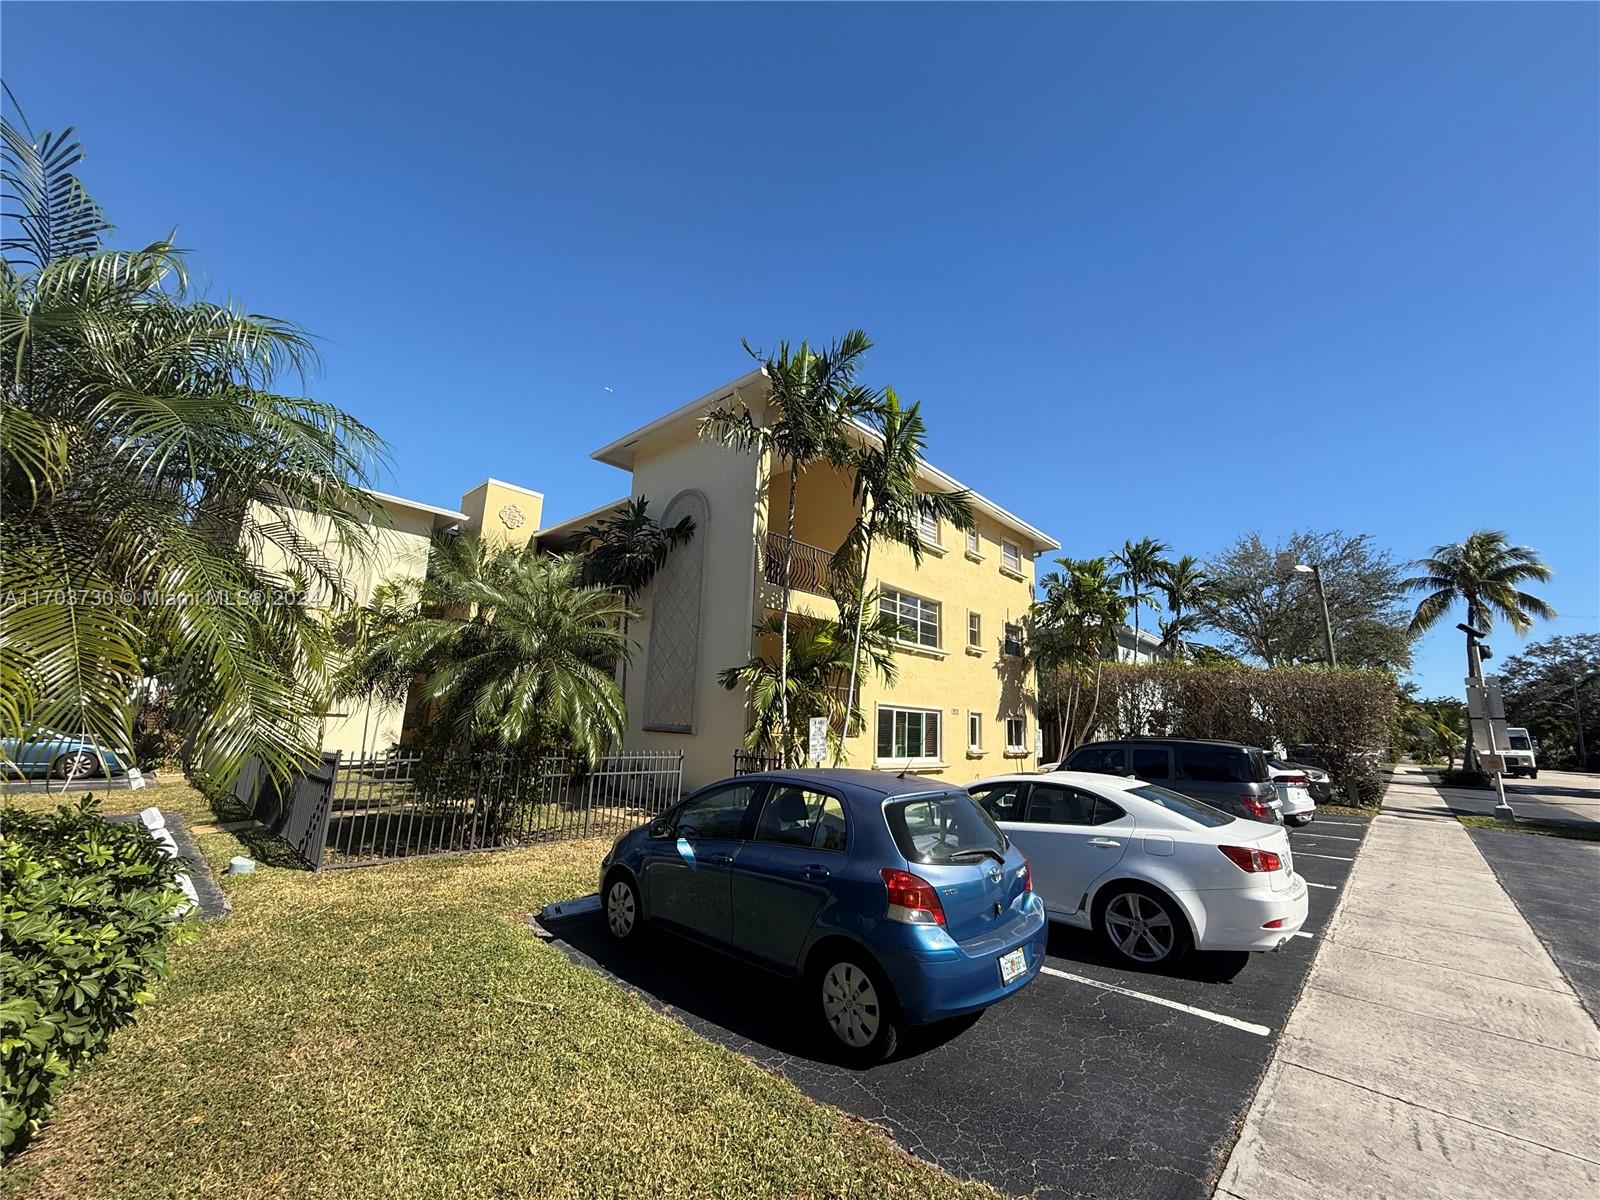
(620, 452)
(389, 501)
(565, 529)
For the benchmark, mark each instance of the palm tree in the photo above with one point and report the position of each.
(1141, 564)
(889, 505)
(1071, 628)
(813, 398)
(626, 548)
(1484, 572)
(809, 684)
(1186, 588)
(509, 648)
(149, 467)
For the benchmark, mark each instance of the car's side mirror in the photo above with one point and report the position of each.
(661, 828)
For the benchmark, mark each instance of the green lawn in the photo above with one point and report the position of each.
(1575, 830)
(399, 1032)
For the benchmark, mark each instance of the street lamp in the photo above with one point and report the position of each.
(1315, 571)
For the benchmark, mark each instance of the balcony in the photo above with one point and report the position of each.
(811, 569)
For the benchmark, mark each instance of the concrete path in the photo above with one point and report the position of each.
(1436, 1051)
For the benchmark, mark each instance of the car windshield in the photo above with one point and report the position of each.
(946, 828)
(1519, 742)
(1200, 814)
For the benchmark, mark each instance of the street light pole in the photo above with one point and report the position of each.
(1315, 571)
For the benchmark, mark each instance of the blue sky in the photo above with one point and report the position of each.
(1177, 271)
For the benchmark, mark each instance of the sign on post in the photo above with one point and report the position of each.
(818, 750)
(1486, 709)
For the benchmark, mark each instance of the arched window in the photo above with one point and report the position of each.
(674, 656)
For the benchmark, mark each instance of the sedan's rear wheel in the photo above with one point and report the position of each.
(623, 915)
(1145, 928)
(857, 1008)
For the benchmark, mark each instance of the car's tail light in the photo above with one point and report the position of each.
(911, 898)
(1252, 859)
(1258, 806)
(1292, 780)
(1277, 924)
(1027, 874)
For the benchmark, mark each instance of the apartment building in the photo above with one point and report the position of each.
(964, 703)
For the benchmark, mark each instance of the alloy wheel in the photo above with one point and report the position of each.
(850, 1005)
(77, 765)
(1139, 927)
(621, 912)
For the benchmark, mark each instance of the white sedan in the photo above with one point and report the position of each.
(1155, 873)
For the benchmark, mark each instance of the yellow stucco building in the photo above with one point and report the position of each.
(963, 705)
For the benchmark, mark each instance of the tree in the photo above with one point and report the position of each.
(1070, 630)
(1267, 611)
(1431, 729)
(1186, 586)
(1553, 689)
(149, 472)
(813, 397)
(625, 549)
(509, 649)
(1482, 572)
(784, 697)
(1141, 564)
(889, 506)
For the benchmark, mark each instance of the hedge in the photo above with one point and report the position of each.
(86, 916)
(1349, 713)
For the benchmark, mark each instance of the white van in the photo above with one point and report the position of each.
(1519, 758)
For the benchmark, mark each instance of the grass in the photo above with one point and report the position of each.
(398, 1031)
(1573, 831)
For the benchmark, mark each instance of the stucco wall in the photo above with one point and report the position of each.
(675, 462)
(954, 679)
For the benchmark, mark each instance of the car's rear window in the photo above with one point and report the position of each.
(1213, 764)
(1200, 814)
(940, 828)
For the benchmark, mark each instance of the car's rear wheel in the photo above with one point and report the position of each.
(78, 764)
(856, 1006)
(1145, 927)
(624, 915)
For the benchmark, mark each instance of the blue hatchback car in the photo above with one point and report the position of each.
(898, 902)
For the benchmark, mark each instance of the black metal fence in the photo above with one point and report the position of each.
(350, 812)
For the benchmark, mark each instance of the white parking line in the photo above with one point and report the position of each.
(1219, 1018)
(1332, 887)
(1332, 837)
(1335, 857)
(1303, 934)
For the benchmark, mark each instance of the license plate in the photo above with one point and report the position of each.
(1013, 965)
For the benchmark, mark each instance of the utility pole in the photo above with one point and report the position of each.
(1476, 688)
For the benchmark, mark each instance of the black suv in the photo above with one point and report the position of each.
(1225, 775)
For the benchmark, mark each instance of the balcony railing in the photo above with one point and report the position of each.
(811, 568)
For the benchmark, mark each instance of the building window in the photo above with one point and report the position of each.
(920, 617)
(1016, 735)
(972, 541)
(1013, 645)
(974, 628)
(1011, 556)
(928, 528)
(908, 735)
(974, 731)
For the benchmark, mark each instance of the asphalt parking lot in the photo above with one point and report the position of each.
(1096, 1080)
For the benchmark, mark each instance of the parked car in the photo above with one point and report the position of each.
(1295, 801)
(897, 901)
(1225, 775)
(58, 755)
(1153, 872)
(1318, 782)
(1519, 757)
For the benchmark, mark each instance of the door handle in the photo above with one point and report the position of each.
(815, 873)
(1104, 843)
(719, 859)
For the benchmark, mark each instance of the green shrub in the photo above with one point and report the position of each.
(86, 915)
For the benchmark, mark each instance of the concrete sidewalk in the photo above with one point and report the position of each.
(1436, 1050)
